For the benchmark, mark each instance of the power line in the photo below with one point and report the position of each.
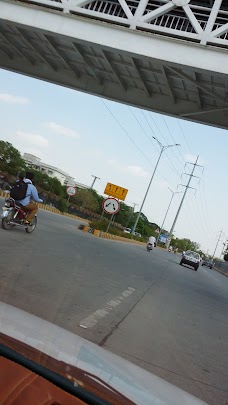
(172, 138)
(142, 153)
(124, 130)
(173, 167)
(184, 135)
(143, 128)
(151, 117)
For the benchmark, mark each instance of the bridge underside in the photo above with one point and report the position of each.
(90, 56)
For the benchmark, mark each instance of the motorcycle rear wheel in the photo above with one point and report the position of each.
(31, 228)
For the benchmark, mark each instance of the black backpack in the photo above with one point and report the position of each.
(19, 190)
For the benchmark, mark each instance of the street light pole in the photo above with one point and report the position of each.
(163, 148)
(173, 194)
(131, 214)
(95, 178)
(181, 203)
(219, 238)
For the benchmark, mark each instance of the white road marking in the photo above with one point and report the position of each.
(92, 319)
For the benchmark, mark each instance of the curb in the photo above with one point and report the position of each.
(220, 271)
(105, 235)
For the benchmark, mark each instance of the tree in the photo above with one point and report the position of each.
(11, 161)
(226, 254)
(86, 199)
(226, 257)
(62, 205)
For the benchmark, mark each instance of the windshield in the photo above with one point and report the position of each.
(193, 254)
(113, 167)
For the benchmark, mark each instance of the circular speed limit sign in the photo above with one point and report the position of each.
(71, 191)
(111, 206)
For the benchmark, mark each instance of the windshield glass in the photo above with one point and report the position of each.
(193, 254)
(113, 166)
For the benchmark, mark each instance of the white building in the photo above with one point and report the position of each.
(52, 171)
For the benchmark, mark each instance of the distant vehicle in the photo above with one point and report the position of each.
(127, 230)
(191, 259)
(208, 263)
(138, 234)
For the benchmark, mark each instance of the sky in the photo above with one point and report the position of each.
(85, 135)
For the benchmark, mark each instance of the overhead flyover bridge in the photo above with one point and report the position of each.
(165, 56)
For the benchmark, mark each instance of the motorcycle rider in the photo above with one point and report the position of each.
(31, 197)
(152, 241)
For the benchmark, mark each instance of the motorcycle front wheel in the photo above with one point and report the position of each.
(5, 221)
(30, 228)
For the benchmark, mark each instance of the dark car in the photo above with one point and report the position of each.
(191, 259)
(208, 263)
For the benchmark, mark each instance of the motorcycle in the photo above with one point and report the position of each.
(149, 247)
(14, 215)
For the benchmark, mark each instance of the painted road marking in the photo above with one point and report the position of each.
(92, 319)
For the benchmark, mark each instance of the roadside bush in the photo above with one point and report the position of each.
(102, 226)
(62, 205)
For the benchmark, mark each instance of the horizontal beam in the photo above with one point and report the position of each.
(117, 37)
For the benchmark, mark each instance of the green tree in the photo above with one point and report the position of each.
(62, 205)
(123, 215)
(86, 199)
(226, 254)
(11, 161)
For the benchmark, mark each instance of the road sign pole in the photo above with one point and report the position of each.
(68, 198)
(101, 216)
(109, 223)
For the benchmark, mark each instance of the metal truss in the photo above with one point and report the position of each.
(204, 22)
(196, 92)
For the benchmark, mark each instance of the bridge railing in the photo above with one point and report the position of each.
(193, 21)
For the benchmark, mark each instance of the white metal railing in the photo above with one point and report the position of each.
(197, 21)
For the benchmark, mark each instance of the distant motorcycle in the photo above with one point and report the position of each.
(13, 214)
(149, 247)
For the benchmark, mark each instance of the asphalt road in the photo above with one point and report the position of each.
(143, 306)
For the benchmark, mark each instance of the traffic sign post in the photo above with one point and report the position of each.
(111, 206)
(115, 191)
(110, 222)
(70, 191)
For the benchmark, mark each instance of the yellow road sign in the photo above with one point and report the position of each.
(115, 191)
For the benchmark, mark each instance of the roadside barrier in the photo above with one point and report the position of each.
(50, 209)
(106, 235)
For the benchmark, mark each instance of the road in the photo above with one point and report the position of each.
(143, 306)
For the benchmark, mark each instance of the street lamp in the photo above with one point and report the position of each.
(163, 148)
(173, 194)
(130, 215)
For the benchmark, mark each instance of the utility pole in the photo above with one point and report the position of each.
(131, 214)
(162, 149)
(173, 194)
(182, 200)
(219, 238)
(95, 178)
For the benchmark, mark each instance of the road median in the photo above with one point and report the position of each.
(105, 235)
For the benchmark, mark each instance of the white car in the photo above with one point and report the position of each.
(127, 230)
(191, 259)
(138, 234)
